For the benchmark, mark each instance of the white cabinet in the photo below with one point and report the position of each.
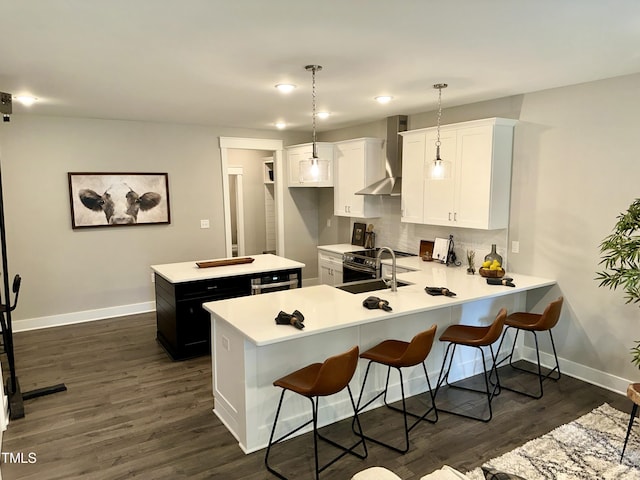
(302, 172)
(330, 267)
(413, 158)
(476, 191)
(358, 163)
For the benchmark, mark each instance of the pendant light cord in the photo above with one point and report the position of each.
(439, 115)
(313, 69)
(313, 110)
(439, 86)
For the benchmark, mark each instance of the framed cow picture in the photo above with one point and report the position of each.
(118, 199)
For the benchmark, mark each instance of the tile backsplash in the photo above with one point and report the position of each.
(391, 232)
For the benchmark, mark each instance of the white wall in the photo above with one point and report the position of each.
(575, 169)
(67, 271)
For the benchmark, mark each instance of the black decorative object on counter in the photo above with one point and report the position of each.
(296, 318)
(436, 291)
(374, 302)
(506, 281)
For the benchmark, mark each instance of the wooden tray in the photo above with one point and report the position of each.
(225, 262)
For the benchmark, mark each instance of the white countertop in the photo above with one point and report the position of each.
(189, 271)
(327, 308)
(340, 248)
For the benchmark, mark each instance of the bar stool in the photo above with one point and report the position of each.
(533, 322)
(477, 337)
(633, 392)
(399, 354)
(314, 381)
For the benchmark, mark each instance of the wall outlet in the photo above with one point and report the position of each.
(204, 223)
(225, 343)
(153, 277)
(515, 247)
(328, 223)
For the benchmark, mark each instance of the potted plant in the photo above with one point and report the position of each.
(621, 259)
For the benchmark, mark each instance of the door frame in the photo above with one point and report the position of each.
(237, 172)
(240, 143)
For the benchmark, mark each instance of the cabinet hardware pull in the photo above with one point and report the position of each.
(449, 216)
(455, 216)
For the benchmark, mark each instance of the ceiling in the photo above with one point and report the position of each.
(216, 62)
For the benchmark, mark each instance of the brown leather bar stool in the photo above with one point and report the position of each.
(533, 322)
(633, 392)
(477, 337)
(314, 381)
(399, 354)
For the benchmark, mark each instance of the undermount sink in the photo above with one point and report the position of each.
(368, 286)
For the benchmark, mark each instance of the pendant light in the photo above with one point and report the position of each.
(314, 169)
(440, 168)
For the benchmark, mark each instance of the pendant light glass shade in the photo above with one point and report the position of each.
(440, 169)
(314, 169)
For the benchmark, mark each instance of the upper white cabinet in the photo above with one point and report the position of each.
(358, 163)
(476, 191)
(302, 173)
(413, 158)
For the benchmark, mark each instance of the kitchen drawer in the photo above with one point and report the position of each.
(214, 289)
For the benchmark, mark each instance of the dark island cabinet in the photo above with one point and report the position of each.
(183, 326)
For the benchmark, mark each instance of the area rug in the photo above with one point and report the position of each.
(587, 449)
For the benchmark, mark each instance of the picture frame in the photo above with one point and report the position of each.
(357, 237)
(118, 199)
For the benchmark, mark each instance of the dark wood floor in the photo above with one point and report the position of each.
(131, 412)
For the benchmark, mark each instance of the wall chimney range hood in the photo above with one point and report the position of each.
(392, 183)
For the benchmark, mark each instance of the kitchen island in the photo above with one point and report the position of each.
(251, 351)
(183, 327)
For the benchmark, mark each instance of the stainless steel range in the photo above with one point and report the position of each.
(365, 264)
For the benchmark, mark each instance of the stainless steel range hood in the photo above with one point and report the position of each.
(392, 183)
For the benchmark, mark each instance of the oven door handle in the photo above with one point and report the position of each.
(358, 268)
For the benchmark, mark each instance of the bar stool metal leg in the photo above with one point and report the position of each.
(400, 354)
(443, 378)
(407, 428)
(634, 410)
(534, 323)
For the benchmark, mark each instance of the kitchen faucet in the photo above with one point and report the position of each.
(394, 283)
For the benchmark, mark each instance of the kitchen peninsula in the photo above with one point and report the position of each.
(250, 351)
(181, 288)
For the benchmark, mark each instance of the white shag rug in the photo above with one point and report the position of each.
(588, 448)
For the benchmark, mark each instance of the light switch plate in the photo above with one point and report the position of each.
(515, 246)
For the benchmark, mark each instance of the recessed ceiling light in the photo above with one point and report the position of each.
(285, 87)
(323, 115)
(26, 100)
(281, 125)
(383, 98)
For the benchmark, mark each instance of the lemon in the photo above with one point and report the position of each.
(486, 264)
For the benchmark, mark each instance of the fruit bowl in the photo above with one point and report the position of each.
(487, 273)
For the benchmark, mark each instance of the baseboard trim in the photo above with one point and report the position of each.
(581, 372)
(81, 317)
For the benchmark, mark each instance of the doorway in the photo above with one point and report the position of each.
(238, 191)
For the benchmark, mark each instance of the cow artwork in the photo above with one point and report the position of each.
(116, 199)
